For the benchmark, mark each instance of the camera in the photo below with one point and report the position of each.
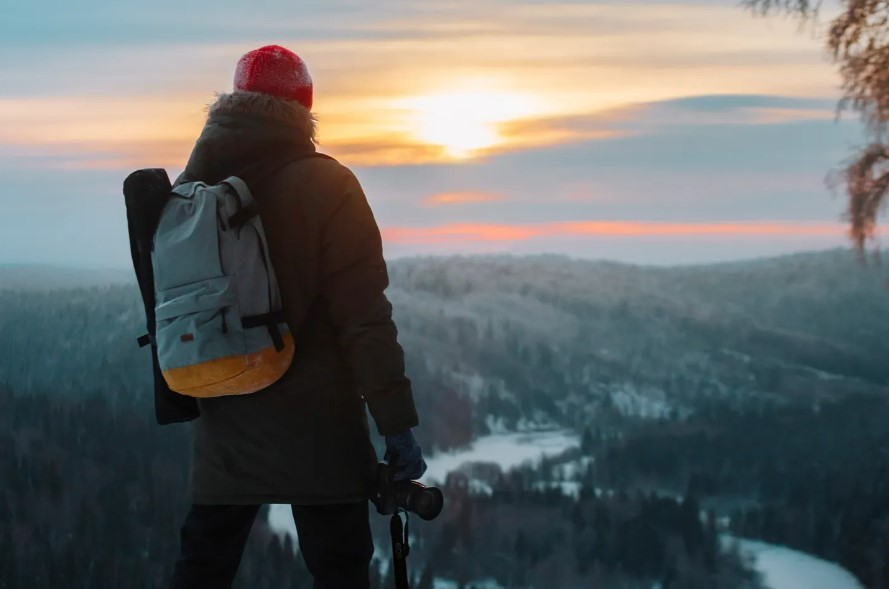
(390, 495)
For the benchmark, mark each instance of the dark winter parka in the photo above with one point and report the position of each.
(305, 439)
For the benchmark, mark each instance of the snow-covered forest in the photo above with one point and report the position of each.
(743, 399)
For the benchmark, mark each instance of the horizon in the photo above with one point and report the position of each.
(851, 251)
(644, 132)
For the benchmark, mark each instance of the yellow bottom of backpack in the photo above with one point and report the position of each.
(233, 375)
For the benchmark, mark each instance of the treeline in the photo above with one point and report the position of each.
(522, 536)
(93, 497)
(812, 476)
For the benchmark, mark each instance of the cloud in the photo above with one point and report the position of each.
(370, 56)
(542, 132)
(461, 198)
(728, 109)
(636, 242)
(460, 233)
(70, 133)
(98, 155)
(92, 22)
(644, 109)
(728, 103)
(66, 132)
(75, 132)
(384, 152)
(660, 116)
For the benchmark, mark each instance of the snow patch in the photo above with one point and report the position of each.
(477, 487)
(576, 469)
(745, 358)
(496, 425)
(281, 523)
(440, 583)
(633, 403)
(506, 450)
(567, 488)
(784, 568)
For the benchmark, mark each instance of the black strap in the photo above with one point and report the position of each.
(275, 334)
(252, 321)
(271, 321)
(400, 549)
(243, 215)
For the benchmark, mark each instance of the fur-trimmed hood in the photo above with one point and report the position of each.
(248, 135)
(254, 104)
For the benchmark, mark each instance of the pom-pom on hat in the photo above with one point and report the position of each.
(276, 71)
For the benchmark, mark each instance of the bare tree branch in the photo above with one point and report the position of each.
(804, 8)
(858, 40)
(866, 181)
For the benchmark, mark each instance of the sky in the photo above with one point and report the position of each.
(634, 130)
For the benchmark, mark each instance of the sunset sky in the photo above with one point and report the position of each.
(641, 131)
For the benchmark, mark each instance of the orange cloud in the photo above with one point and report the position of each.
(470, 82)
(383, 152)
(560, 130)
(478, 232)
(99, 133)
(460, 198)
(774, 116)
(102, 155)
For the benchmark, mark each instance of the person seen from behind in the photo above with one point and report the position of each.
(305, 440)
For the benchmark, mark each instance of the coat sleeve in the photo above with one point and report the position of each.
(352, 282)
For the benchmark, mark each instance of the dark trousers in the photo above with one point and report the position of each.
(334, 541)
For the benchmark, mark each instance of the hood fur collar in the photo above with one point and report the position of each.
(287, 112)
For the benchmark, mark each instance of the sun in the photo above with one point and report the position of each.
(467, 121)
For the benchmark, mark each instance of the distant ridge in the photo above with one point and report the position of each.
(42, 277)
(836, 254)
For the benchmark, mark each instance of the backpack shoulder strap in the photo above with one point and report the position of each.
(242, 189)
(249, 208)
(287, 160)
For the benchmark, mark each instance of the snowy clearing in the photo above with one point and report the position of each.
(440, 583)
(281, 522)
(781, 567)
(506, 450)
(784, 568)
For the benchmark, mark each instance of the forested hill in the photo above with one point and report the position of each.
(754, 392)
(498, 342)
(41, 277)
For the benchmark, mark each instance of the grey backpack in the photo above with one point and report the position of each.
(219, 323)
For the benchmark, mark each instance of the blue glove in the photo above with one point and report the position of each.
(403, 453)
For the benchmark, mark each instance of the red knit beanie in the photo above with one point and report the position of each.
(277, 71)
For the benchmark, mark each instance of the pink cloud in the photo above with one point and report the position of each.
(461, 198)
(458, 233)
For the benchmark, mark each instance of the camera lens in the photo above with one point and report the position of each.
(390, 496)
(426, 502)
